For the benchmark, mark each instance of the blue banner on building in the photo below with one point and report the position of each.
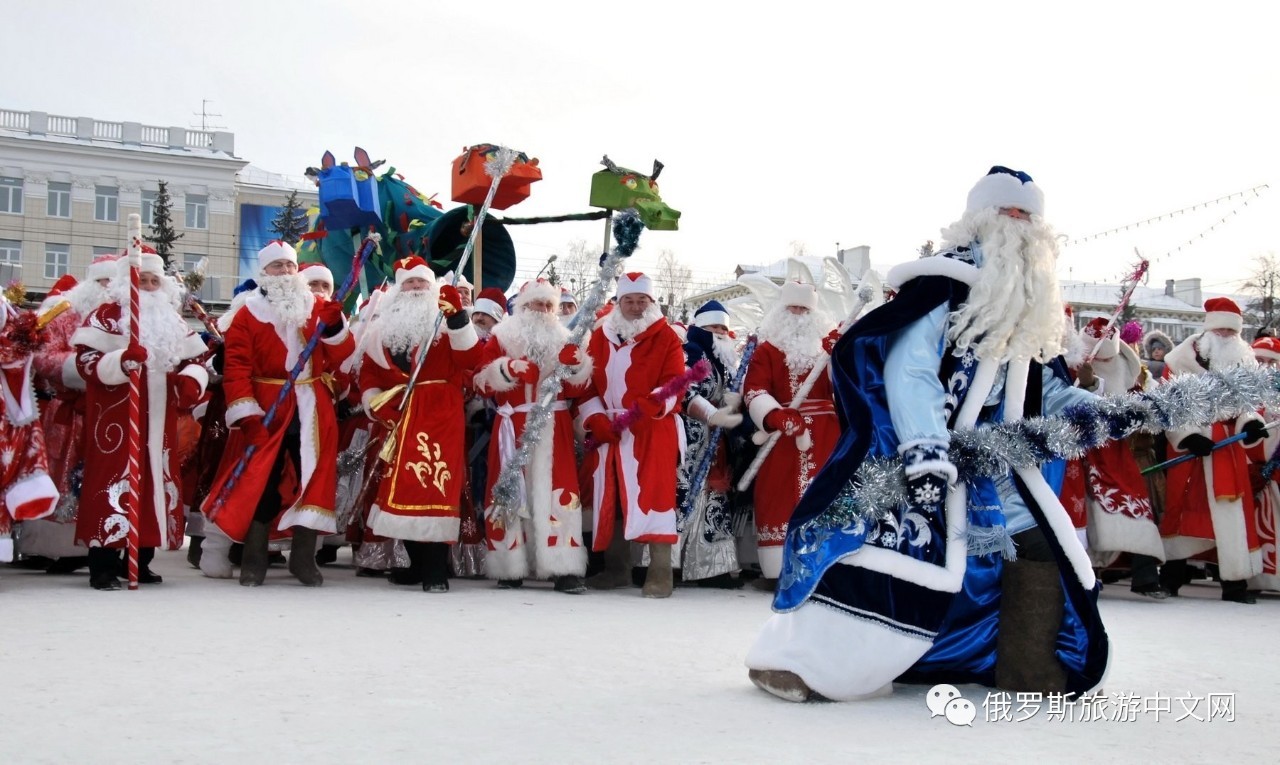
(255, 232)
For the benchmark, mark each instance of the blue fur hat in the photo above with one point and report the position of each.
(711, 312)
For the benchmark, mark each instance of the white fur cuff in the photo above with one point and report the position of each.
(71, 378)
(109, 369)
(494, 378)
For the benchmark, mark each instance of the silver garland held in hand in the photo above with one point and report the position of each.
(507, 506)
(1185, 402)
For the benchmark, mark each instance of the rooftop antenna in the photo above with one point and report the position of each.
(204, 114)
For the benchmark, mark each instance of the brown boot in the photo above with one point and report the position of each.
(253, 562)
(1031, 607)
(617, 562)
(302, 557)
(658, 582)
(783, 684)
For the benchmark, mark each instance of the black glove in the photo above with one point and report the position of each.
(458, 320)
(1196, 444)
(1256, 432)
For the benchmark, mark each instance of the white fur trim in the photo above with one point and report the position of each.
(1110, 533)
(419, 528)
(6, 544)
(984, 378)
(491, 379)
(103, 267)
(1015, 389)
(71, 374)
(1223, 320)
(931, 266)
(322, 521)
(840, 656)
(316, 272)
(464, 338)
(421, 271)
(537, 290)
(580, 374)
(1004, 190)
(339, 338)
(770, 559)
(760, 407)
(99, 339)
(110, 371)
(700, 409)
(245, 408)
(32, 497)
(641, 285)
(797, 294)
(488, 308)
(276, 250)
(197, 373)
(590, 407)
(708, 318)
(366, 399)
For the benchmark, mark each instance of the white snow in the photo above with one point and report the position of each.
(200, 671)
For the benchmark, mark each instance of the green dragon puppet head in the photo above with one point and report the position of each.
(617, 188)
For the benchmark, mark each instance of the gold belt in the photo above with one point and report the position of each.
(278, 381)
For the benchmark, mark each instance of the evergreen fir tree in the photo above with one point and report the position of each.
(162, 234)
(291, 223)
(552, 276)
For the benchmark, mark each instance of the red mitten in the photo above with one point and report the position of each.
(186, 392)
(450, 300)
(134, 353)
(254, 431)
(601, 429)
(650, 405)
(829, 342)
(330, 312)
(570, 355)
(524, 371)
(788, 421)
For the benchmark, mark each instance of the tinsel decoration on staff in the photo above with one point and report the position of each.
(507, 507)
(713, 443)
(1229, 440)
(673, 388)
(1132, 280)
(362, 256)
(995, 450)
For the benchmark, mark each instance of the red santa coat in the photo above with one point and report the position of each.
(26, 491)
(638, 473)
(787, 471)
(421, 487)
(63, 415)
(1209, 502)
(102, 520)
(260, 353)
(553, 502)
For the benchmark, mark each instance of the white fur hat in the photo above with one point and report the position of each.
(1222, 313)
(797, 294)
(1002, 187)
(276, 250)
(151, 263)
(102, 267)
(317, 272)
(634, 283)
(538, 289)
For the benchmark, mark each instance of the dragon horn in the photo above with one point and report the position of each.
(657, 170)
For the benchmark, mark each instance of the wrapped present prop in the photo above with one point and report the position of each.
(471, 182)
(348, 195)
(617, 188)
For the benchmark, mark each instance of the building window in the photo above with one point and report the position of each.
(11, 195)
(10, 260)
(57, 260)
(106, 205)
(197, 211)
(99, 250)
(149, 208)
(59, 200)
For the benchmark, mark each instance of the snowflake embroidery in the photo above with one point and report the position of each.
(7, 455)
(927, 494)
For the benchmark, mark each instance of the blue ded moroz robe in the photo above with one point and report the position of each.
(865, 599)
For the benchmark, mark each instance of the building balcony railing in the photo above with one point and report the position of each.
(127, 133)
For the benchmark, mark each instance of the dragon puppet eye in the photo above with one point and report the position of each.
(629, 181)
(653, 185)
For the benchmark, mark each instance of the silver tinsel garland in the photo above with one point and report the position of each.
(1188, 401)
(507, 506)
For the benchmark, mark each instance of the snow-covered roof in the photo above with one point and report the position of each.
(252, 175)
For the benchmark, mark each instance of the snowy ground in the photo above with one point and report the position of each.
(197, 670)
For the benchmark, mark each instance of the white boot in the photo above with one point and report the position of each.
(215, 560)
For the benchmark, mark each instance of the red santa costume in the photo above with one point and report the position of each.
(418, 497)
(262, 346)
(172, 381)
(26, 491)
(1209, 503)
(1120, 515)
(632, 360)
(1267, 505)
(521, 352)
(790, 345)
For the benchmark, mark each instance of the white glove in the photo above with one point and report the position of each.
(725, 417)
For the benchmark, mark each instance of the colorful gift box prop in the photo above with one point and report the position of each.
(471, 182)
(617, 188)
(348, 195)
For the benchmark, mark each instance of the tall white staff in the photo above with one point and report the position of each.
(135, 401)
(866, 291)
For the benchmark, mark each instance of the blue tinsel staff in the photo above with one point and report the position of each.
(704, 466)
(1216, 446)
(366, 250)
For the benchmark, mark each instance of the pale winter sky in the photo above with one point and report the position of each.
(778, 123)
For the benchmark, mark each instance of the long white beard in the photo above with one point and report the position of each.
(1224, 352)
(161, 329)
(1014, 310)
(407, 319)
(289, 296)
(798, 336)
(725, 349)
(86, 296)
(627, 329)
(535, 336)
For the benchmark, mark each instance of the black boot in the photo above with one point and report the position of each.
(145, 574)
(68, 565)
(302, 557)
(1173, 575)
(570, 583)
(326, 554)
(1237, 591)
(435, 567)
(412, 574)
(193, 551)
(253, 561)
(104, 562)
(1031, 608)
